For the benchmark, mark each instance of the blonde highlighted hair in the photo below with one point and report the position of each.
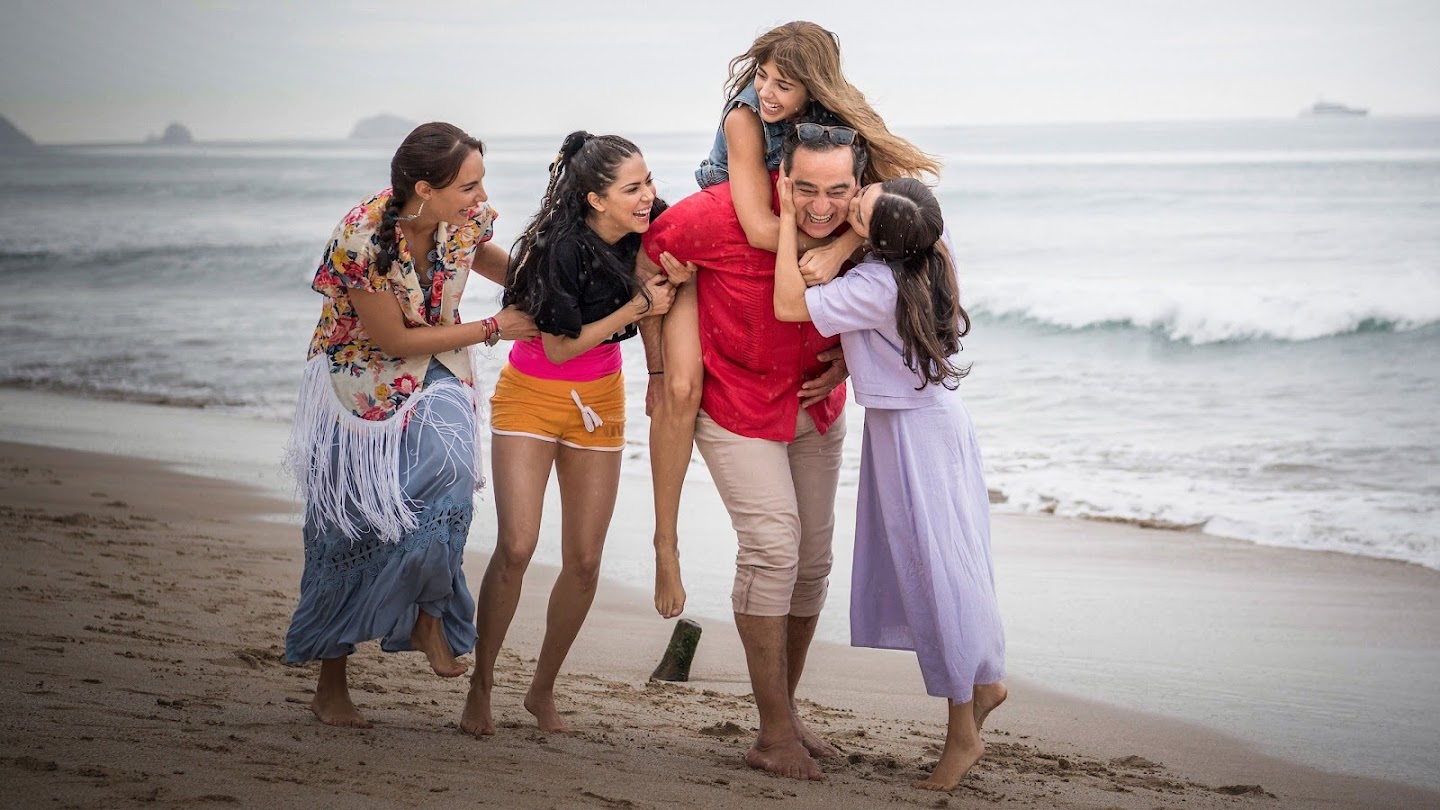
(810, 55)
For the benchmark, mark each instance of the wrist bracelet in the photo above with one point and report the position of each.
(653, 373)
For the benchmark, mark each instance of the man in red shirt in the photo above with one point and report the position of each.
(770, 427)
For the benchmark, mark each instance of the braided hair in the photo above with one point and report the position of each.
(432, 152)
(586, 163)
(905, 229)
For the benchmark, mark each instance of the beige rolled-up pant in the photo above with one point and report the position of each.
(781, 499)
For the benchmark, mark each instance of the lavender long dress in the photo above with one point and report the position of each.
(923, 579)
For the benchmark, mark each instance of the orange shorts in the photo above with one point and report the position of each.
(586, 415)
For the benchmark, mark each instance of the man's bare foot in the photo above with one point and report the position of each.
(475, 718)
(542, 705)
(669, 589)
(987, 697)
(954, 763)
(787, 758)
(333, 708)
(816, 745)
(429, 638)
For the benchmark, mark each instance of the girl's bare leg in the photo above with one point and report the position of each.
(589, 480)
(987, 697)
(429, 637)
(963, 749)
(332, 696)
(520, 469)
(672, 439)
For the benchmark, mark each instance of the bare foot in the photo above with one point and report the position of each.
(954, 763)
(787, 758)
(816, 745)
(427, 637)
(333, 708)
(669, 589)
(475, 718)
(987, 697)
(543, 707)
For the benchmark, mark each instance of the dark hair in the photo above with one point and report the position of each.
(817, 114)
(432, 152)
(905, 229)
(586, 163)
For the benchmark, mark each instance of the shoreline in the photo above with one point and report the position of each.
(155, 602)
(1275, 646)
(20, 398)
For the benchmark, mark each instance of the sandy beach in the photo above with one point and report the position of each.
(1195, 246)
(146, 609)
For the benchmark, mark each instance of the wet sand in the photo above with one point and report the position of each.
(145, 615)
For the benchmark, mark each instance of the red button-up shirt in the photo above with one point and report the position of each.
(754, 364)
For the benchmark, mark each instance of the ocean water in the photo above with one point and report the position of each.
(1226, 327)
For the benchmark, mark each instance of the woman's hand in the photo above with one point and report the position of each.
(515, 325)
(789, 296)
(785, 193)
(662, 295)
(820, 265)
(675, 271)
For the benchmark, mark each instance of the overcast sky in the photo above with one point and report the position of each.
(107, 70)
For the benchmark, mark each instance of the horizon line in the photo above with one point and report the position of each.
(147, 141)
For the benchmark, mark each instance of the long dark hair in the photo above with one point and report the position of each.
(432, 152)
(905, 229)
(586, 163)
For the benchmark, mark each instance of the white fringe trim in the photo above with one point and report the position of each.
(348, 469)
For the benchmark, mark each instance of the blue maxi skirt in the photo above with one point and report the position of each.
(355, 590)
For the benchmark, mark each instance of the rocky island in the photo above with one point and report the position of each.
(383, 127)
(175, 134)
(12, 140)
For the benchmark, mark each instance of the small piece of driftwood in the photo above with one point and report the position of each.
(675, 665)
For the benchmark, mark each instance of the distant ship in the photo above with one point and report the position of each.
(1331, 109)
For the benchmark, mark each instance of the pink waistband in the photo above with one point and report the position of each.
(529, 357)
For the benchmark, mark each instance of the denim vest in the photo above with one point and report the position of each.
(715, 169)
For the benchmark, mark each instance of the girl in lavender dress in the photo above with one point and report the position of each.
(923, 579)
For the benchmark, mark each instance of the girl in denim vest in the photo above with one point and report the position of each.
(789, 71)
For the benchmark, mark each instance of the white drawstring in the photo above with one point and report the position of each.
(592, 419)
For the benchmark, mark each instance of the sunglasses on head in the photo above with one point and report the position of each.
(814, 133)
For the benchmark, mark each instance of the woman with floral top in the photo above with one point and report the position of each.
(384, 445)
(560, 401)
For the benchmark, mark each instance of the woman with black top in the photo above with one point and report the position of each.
(560, 400)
